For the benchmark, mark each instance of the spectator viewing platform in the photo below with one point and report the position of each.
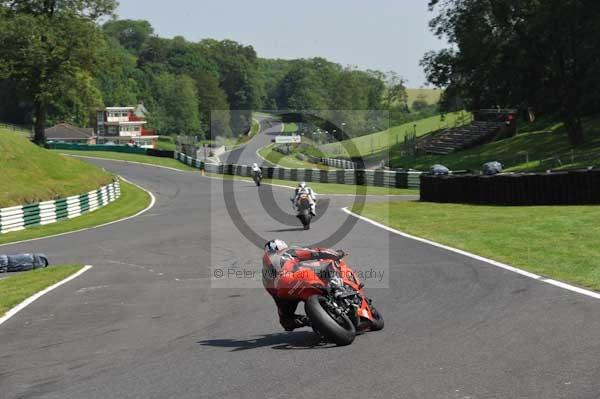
(124, 125)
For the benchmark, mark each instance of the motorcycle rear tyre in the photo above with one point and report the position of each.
(305, 219)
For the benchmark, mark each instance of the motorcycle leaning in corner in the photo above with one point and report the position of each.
(334, 301)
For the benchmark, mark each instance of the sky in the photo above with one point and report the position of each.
(386, 35)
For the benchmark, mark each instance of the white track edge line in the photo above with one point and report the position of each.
(12, 312)
(150, 206)
(492, 262)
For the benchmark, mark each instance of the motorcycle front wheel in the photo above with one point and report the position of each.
(337, 328)
(378, 323)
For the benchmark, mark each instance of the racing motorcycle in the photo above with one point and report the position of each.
(257, 177)
(303, 209)
(333, 298)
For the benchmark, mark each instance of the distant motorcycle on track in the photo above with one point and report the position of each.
(303, 208)
(256, 174)
(257, 177)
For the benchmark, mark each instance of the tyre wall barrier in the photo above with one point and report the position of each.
(380, 178)
(160, 153)
(555, 188)
(339, 163)
(25, 216)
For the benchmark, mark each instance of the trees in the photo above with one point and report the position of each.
(175, 105)
(213, 105)
(121, 82)
(539, 54)
(395, 93)
(58, 65)
(236, 65)
(48, 48)
(130, 34)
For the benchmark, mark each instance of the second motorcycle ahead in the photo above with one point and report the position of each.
(304, 200)
(256, 174)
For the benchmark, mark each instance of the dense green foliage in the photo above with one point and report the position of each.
(539, 56)
(49, 56)
(59, 65)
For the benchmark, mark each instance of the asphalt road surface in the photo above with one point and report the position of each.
(247, 154)
(144, 322)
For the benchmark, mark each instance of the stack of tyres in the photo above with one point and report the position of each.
(323, 176)
(484, 183)
(3, 263)
(22, 262)
(308, 175)
(464, 188)
(424, 188)
(546, 194)
(558, 188)
(519, 185)
(360, 177)
(594, 181)
(562, 191)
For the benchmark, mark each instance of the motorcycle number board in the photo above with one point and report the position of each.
(295, 139)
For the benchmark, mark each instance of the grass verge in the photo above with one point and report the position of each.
(431, 96)
(145, 159)
(17, 287)
(132, 201)
(290, 127)
(560, 242)
(30, 174)
(539, 146)
(383, 141)
(288, 161)
(166, 143)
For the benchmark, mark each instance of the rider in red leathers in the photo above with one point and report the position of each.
(279, 258)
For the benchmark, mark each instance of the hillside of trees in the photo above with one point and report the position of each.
(59, 64)
(539, 56)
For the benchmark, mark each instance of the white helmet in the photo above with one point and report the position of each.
(302, 185)
(255, 165)
(275, 246)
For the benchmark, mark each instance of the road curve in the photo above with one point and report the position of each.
(247, 154)
(144, 322)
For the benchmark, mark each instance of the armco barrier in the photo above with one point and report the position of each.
(380, 178)
(557, 188)
(21, 217)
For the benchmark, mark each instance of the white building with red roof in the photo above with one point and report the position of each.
(124, 125)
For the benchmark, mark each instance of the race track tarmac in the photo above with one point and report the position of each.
(148, 321)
